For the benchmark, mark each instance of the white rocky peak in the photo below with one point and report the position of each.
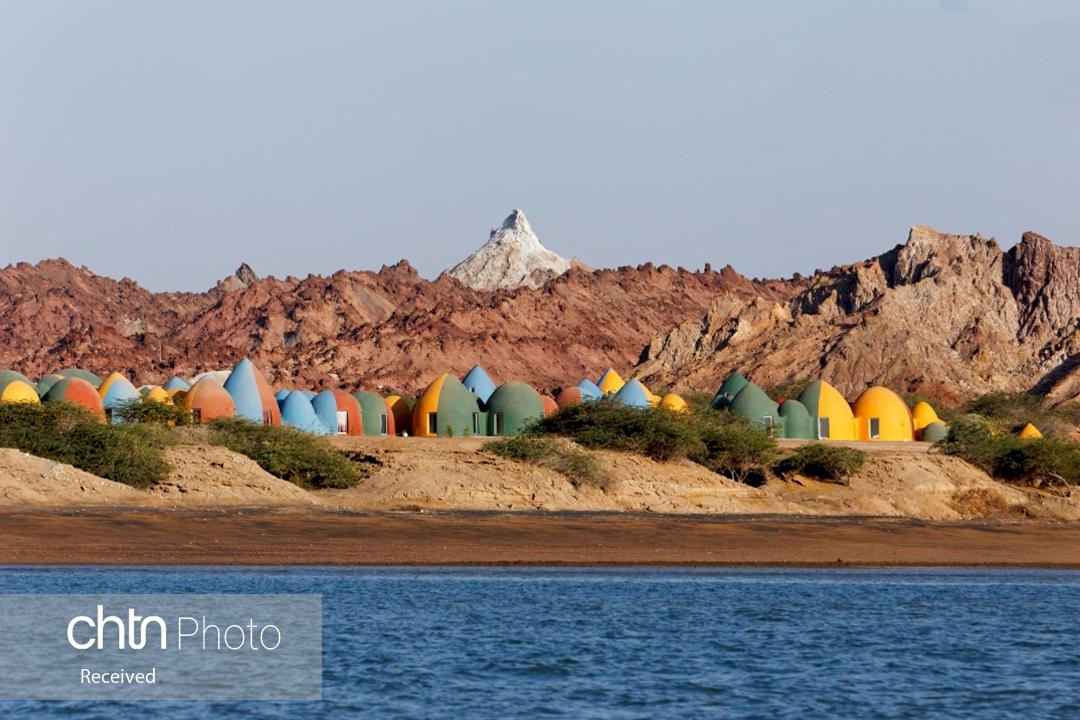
(512, 257)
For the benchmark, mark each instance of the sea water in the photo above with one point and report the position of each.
(644, 643)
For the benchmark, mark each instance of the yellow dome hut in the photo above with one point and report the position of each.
(880, 414)
(829, 412)
(922, 415)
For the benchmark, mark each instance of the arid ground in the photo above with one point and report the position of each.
(283, 538)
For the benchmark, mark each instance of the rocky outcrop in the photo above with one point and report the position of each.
(512, 257)
(948, 316)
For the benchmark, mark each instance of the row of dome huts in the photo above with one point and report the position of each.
(474, 405)
(821, 413)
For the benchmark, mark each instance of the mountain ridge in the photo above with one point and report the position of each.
(946, 316)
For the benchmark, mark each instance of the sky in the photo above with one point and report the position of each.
(170, 141)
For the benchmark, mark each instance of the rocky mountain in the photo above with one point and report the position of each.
(512, 257)
(385, 329)
(947, 316)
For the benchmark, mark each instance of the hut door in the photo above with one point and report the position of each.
(822, 428)
(268, 417)
(342, 422)
(432, 424)
(875, 428)
(499, 423)
(384, 425)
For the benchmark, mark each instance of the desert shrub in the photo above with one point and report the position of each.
(605, 424)
(287, 453)
(827, 462)
(1008, 412)
(698, 401)
(1047, 460)
(720, 441)
(1040, 461)
(731, 446)
(69, 434)
(577, 465)
(151, 412)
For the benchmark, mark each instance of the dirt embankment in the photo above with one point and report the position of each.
(907, 481)
(410, 474)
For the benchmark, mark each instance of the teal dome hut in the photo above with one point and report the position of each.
(797, 422)
(512, 408)
(735, 382)
(753, 404)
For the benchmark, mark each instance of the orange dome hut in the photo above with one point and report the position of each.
(569, 396)
(207, 400)
(550, 406)
(79, 392)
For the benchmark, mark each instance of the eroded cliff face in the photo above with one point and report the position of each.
(389, 329)
(948, 316)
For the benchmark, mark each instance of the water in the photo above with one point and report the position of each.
(646, 643)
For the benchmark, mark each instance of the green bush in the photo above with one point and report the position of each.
(717, 440)
(733, 447)
(1008, 412)
(577, 465)
(69, 434)
(1046, 460)
(287, 453)
(1039, 461)
(827, 462)
(605, 424)
(151, 412)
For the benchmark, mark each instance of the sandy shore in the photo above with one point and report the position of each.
(260, 537)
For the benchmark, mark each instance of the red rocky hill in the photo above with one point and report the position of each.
(388, 329)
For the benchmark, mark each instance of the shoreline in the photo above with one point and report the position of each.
(262, 537)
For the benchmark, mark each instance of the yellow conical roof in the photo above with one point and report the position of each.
(1030, 432)
(610, 382)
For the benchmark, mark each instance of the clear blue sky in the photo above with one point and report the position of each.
(169, 141)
